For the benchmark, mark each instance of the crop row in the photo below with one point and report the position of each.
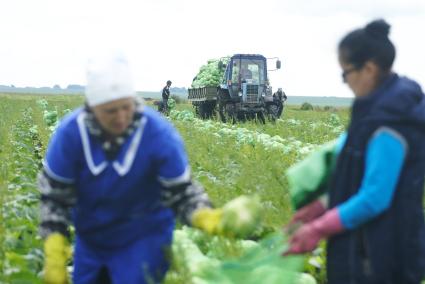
(229, 160)
(22, 246)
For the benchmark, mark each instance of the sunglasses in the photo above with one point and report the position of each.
(345, 73)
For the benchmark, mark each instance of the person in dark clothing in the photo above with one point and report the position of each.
(281, 94)
(166, 96)
(280, 98)
(374, 219)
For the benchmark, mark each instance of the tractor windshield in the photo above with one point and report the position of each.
(251, 71)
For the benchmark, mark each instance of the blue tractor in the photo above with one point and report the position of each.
(244, 93)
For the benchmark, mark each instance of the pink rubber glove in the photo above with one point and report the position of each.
(309, 212)
(306, 238)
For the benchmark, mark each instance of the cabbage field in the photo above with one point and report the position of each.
(229, 160)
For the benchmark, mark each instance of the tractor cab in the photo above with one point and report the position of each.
(245, 78)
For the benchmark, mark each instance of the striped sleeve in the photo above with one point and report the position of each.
(184, 199)
(57, 199)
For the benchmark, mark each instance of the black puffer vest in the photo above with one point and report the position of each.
(391, 247)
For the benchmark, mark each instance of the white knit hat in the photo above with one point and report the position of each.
(108, 79)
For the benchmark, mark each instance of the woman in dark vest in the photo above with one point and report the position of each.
(374, 222)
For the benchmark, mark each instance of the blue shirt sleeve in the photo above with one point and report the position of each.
(385, 155)
(173, 162)
(59, 163)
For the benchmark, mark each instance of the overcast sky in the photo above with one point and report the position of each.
(47, 42)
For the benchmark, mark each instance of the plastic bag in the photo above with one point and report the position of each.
(262, 263)
(308, 178)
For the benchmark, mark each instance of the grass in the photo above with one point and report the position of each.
(226, 169)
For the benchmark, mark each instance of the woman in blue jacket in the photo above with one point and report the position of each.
(118, 171)
(374, 221)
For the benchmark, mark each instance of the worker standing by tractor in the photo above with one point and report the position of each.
(165, 97)
(119, 173)
(279, 98)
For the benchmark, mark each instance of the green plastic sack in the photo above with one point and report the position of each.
(308, 178)
(262, 263)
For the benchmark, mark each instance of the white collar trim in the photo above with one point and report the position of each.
(122, 169)
(95, 170)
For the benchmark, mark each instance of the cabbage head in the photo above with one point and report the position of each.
(241, 216)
